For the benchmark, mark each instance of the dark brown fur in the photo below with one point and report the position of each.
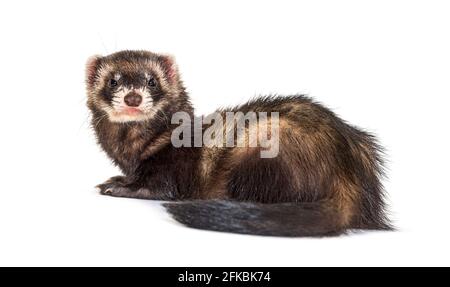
(325, 180)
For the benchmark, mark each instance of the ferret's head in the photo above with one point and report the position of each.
(132, 86)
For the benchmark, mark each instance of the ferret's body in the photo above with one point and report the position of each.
(324, 180)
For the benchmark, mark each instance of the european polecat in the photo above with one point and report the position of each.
(323, 179)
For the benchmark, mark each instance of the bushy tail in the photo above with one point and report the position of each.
(282, 219)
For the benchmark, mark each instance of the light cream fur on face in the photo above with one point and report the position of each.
(118, 112)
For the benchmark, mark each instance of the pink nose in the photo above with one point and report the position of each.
(133, 99)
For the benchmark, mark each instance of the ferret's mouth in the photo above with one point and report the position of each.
(127, 114)
(130, 111)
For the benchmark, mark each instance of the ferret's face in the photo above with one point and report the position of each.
(131, 86)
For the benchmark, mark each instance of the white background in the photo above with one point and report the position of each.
(382, 65)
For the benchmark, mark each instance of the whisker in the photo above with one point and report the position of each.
(103, 43)
(85, 121)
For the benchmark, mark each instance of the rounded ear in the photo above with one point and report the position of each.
(170, 68)
(92, 66)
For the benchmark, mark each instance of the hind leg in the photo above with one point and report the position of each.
(265, 180)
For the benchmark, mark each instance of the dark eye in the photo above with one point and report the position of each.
(112, 83)
(151, 82)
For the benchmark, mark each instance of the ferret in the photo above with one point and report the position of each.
(324, 181)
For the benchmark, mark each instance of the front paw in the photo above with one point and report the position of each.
(118, 191)
(112, 186)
